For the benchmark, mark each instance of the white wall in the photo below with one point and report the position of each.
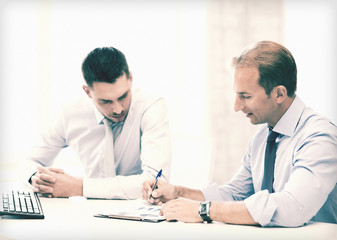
(43, 43)
(311, 28)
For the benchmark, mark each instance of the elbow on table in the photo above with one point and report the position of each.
(290, 218)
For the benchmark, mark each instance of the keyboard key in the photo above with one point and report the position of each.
(16, 202)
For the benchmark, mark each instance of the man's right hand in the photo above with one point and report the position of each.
(163, 193)
(43, 182)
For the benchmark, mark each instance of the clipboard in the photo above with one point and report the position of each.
(143, 213)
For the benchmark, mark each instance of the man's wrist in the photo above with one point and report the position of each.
(204, 211)
(80, 187)
(178, 191)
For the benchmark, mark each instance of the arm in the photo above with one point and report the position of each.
(227, 207)
(43, 153)
(182, 204)
(312, 178)
(187, 210)
(231, 212)
(166, 192)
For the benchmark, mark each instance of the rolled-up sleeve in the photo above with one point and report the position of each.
(313, 177)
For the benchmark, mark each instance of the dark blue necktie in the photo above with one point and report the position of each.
(269, 162)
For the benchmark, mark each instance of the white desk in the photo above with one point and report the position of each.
(69, 219)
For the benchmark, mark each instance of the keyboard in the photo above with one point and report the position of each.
(18, 203)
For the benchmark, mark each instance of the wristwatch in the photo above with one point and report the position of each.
(204, 211)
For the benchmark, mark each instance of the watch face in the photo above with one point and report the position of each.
(204, 211)
(203, 208)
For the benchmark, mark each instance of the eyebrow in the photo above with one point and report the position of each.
(124, 95)
(242, 93)
(119, 98)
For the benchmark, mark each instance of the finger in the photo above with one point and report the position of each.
(148, 185)
(151, 200)
(158, 192)
(44, 189)
(44, 170)
(35, 189)
(145, 195)
(157, 202)
(38, 181)
(155, 194)
(168, 213)
(47, 178)
(169, 217)
(56, 170)
(48, 195)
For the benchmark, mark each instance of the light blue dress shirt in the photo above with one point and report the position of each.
(305, 173)
(142, 146)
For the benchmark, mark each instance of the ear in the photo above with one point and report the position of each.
(87, 90)
(131, 79)
(281, 93)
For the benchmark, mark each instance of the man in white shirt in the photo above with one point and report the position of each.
(285, 180)
(121, 136)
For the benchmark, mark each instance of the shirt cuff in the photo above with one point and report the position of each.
(94, 188)
(261, 207)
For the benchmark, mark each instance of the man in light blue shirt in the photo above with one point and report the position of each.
(305, 169)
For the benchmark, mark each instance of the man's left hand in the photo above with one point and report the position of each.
(182, 209)
(64, 185)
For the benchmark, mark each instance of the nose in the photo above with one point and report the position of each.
(117, 108)
(238, 105)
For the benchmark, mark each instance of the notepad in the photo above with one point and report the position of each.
(142, 212)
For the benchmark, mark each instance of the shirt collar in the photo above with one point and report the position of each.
(99, 116)
(288, 122)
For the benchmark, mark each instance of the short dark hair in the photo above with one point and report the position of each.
(104, 64)
(275, 63)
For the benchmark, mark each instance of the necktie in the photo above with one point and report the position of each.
(109, 158)
(269, 162)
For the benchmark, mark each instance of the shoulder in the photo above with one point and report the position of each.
(314, 128)
(79, 108)
(311, 122)
(145, 99)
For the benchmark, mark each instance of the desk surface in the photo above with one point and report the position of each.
(73, 218)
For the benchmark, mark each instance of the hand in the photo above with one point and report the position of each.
(162, 194)
(43, 180)
(59, 184)
(182, 209)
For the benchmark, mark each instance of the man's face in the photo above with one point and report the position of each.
(252, 99)
(112, 99)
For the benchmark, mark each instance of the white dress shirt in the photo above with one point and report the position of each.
(141, 149)
(305, 173)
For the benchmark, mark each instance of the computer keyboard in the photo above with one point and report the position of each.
(25, 204)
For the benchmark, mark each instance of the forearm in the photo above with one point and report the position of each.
(121, 187)
(189, 193)
(231, 212)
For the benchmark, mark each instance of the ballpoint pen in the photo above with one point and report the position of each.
(155, 184)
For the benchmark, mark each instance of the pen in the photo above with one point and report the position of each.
(155, 184)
